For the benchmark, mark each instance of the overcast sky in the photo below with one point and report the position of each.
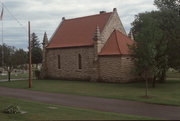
(45, 15)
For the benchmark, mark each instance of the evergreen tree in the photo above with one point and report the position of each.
(36, 50)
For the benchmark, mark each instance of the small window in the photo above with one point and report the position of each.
(59, 62)
(80, 61)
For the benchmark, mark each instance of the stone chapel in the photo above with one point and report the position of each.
(92, 48)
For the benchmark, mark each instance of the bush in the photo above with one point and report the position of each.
(12, 109)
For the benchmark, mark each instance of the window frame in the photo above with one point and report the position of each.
(59, 62)
(79, 61)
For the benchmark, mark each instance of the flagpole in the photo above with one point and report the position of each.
(2, 43)
(2, 36)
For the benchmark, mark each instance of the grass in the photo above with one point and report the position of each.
(167, 93)
(173, 75)
(40, 111)
(15, 76)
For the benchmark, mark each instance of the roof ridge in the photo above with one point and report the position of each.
(88, 16)
(117, 40)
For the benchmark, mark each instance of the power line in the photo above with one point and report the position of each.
(3, 5)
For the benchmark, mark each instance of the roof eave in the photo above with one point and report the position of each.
(70, 47)
(115, 55)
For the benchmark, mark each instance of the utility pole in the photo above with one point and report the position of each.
(30, 60)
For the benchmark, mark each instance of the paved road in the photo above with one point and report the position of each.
(101, 104)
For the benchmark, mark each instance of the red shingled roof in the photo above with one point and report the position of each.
(79, 31)
(117, 44)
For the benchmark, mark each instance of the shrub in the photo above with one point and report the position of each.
(12, 109)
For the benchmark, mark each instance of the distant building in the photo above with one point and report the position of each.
(93, 48)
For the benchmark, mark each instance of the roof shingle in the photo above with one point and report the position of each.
(117, 44)
(79, 31)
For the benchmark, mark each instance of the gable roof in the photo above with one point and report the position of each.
(79, 31)
(117, 44)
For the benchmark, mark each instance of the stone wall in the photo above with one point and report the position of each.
(106, 68)
(116, 69)
(114, 23)
(69, 63)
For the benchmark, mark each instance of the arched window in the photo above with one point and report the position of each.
(59, 62)
(80, 61)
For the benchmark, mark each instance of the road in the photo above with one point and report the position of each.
(101, 104)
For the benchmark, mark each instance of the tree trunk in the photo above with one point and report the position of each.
(163, 77)
(146, 79)
(146, 87)
(154, 82)
(9, 76)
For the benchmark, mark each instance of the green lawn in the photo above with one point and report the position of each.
(15, 76)
(40, 111)
(173, 74)
(167, 93)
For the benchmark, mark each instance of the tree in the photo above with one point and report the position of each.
(34, 41)
(170, 24)
(150, 48)
(8, 59)
(36, 50)
(1, 58)
(20, 57)
(168, 5)
(12, 58)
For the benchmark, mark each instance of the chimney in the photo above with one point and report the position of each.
(63, 18)
(114, 9)
(101, 12)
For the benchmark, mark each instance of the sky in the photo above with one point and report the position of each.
(46, 15)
